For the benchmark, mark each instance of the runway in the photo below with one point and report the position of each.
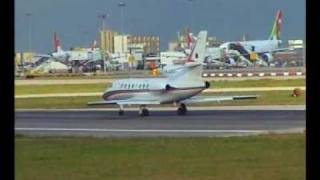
(197, 122)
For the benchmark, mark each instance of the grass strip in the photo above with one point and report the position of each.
(265, 98)
(262, 157)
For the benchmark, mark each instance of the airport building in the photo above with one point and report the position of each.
(174, 46)
(185, 39)
(107, 41)
(151, 44)
(213, 41)
(120, 44)
(23, 56)
(295, 44)
(294, 58)
(128, 43)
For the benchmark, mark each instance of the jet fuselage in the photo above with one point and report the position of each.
(151, 89)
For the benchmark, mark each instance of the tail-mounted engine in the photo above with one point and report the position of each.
(168, 87)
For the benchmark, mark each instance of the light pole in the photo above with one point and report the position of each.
(121, 5)
(103, 19)
(191, 2)
(102, 16)
(102, 33)
(29, 31)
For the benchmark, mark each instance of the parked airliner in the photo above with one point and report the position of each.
(263, 48)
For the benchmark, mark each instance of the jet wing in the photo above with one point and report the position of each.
(47, 56)
(261, 52)
(202, 99)
(277, 50)
(124, 102)
(43, 55)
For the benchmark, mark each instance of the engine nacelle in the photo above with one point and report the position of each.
(207, 84)
(168, 87)
(267, 57)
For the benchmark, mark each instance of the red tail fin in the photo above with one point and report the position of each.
(189, 59)
(279, 21)
(275, 32)
(56, 42)
(189, 40)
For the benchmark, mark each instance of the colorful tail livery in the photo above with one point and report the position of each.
(275, 33)
(56, 42)
(198, 50)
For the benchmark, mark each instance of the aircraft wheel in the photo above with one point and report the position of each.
(184, 107)
(121, 112)
(145, 112)
(182, 110)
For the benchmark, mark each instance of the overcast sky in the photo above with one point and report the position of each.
(76, 21)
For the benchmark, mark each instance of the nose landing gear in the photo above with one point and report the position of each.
(182, 110)
(143, 111)
(121, 111)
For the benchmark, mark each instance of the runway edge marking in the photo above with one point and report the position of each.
(163, 130)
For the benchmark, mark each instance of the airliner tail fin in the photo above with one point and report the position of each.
(275, 32)
(56, 43)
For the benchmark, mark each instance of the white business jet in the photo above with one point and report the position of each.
(180, 86)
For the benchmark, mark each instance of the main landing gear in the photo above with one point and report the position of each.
(121, 111)
(182, 110)
(143, 111)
